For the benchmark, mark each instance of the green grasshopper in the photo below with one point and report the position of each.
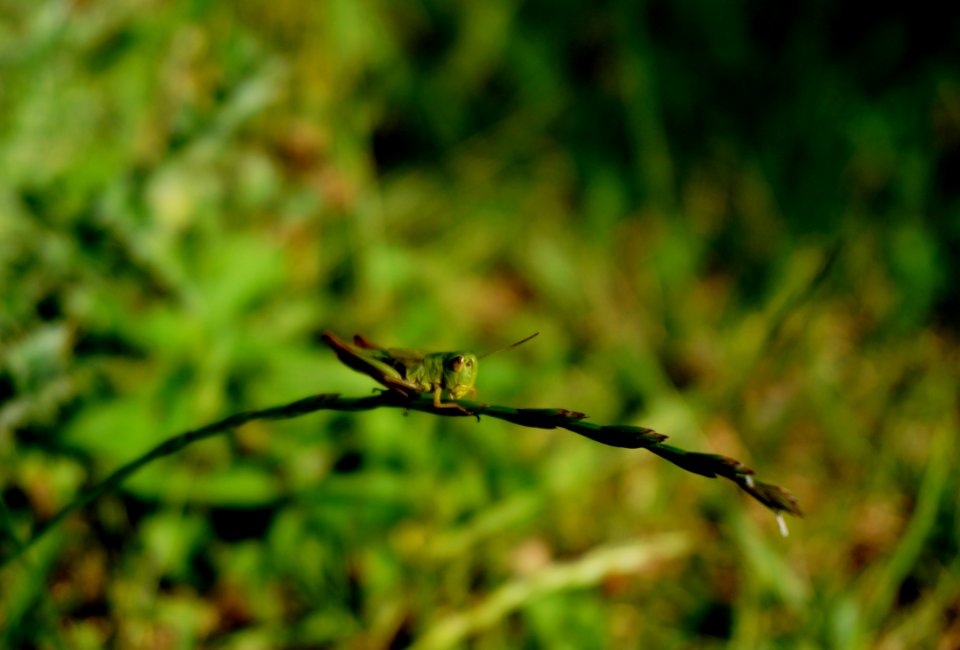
(409, 372)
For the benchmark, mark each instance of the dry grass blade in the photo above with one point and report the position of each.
(773, 497)
(587, 571)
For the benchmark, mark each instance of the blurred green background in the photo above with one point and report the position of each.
(737, 223)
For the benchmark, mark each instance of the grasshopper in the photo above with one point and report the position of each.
(409, 372)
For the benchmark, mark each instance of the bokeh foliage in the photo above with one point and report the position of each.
(736, 223)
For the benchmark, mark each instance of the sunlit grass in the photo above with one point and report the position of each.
(746, 243)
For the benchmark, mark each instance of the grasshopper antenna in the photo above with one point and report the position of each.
(509, 347)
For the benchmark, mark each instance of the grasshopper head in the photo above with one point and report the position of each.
(459, 373)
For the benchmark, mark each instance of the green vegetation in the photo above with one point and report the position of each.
(736, 225)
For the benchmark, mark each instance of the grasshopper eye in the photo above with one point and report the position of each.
(456, 363)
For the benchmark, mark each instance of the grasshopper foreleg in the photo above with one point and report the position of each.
(437, 391)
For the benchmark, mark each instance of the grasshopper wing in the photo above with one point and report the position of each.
(402, 360)
(374, 362)
(365, 343)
